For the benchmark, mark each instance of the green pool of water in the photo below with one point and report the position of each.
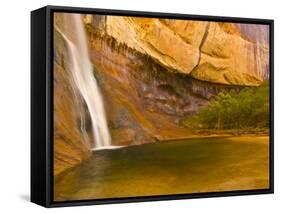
(175, 167)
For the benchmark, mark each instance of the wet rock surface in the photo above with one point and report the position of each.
(144, 99)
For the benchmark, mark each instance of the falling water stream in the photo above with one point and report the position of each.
(82, 72)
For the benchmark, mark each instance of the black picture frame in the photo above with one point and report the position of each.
(42, 105)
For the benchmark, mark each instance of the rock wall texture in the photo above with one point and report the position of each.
(217, 52)
(145, 99)
(71, 146)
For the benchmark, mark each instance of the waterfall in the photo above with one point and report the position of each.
(83, 77)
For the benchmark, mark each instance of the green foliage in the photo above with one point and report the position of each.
(247, 109)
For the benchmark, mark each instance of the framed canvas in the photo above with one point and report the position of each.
(131, 106)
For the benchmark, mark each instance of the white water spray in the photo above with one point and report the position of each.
(82, 72)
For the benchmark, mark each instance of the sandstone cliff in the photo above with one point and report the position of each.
(144, 98)
(210, 51)
(71, 146)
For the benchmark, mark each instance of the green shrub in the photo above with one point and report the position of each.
(247, 109)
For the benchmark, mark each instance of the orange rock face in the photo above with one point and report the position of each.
(158, 40)
(227, 57)
(210, 51)
(71, 147)
(143, 99)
